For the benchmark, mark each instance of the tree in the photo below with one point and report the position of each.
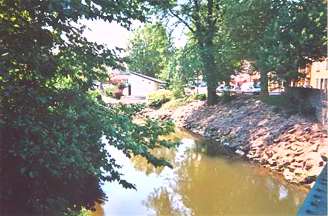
(283, 36)
(300, 32)
(150, 50)
(201, 18)
(52, 156)
(246, 22)
(186, 64)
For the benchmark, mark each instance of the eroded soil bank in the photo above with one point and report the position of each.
(295, 146)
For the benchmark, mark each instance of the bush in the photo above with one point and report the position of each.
(201, 97)
(226, 97)
(118, 93)
(109, 91)
(175, 103)
(178, 89)
(281, 102)
(121, 86)
(156, 99)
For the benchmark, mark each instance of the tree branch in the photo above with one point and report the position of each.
(181, 20)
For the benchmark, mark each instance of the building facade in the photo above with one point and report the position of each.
(319, 74)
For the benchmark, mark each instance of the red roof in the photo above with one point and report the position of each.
(118, 79)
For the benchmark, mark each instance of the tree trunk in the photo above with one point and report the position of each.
(205, 35)
(209, 72)
(264, 83)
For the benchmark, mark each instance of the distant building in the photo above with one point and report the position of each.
(319, 75)
(242, 78)
(316, 75)
(140, 84)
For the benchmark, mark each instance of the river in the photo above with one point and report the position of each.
(199, 184)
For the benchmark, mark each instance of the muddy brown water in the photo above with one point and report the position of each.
(198, 184)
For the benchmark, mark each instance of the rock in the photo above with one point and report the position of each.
(309, 179)
(298, 153)
(294, 146)
(308, 166)
(307, 129)
(324, 157)
(286, 164)
(272, 162)
(240, 152)
(291, 130)
(288, 175)
(234, 145)
(314, 148)
(276, 140)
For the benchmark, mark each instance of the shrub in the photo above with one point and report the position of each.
(172, 104)
(118, 93)
(281, 102)
(201, 97)
(156, 99)
(121, 86)
(178, 89)
(226, 97)
(109, 91)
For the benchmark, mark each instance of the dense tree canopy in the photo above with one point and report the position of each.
(217, 52)
(276, 35)
(150, 50)
(202, 19)
(283, 36)
(51, 122)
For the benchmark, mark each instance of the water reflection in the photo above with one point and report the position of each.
(198, 185)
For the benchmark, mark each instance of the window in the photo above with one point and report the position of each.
(321, 83)
(317, 83)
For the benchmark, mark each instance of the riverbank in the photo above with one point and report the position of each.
(292, 145)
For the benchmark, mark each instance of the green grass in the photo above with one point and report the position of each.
(175, 103)
(158, 98)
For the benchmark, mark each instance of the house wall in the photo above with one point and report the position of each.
(319, 75)
(140, 86)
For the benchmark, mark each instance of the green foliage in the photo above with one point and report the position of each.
(226, 97)
(214, 53)
(201, 97)
(150, 50)
(156, 99)
(293, 75)
(175, 103)
(280, 102)
(82, 212)
(177, 88)
(283, 36)
(52, 126)
(186, 65)
(109, 91)
(276, 100)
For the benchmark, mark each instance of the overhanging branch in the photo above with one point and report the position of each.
(181, 20)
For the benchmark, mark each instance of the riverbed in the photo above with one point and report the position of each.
(199, 184)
